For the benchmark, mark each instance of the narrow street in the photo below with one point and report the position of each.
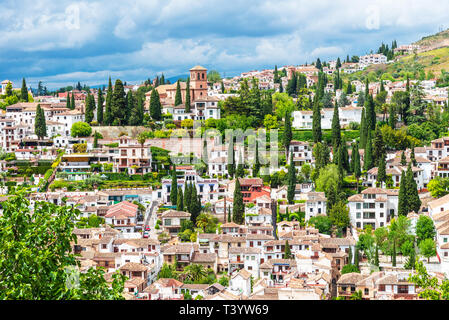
(150, 219)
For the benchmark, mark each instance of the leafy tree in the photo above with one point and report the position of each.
(81, 129)
(339, 215)
(8, 89)
(238, 210)
(349, 268)
(427, 248)
(438, 187)
(36, 258)
(322, 223)
(392, 118)
(430, 288)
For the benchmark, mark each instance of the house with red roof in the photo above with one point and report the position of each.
(122, 216)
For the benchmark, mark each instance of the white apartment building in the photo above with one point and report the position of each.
(372, 59)
(374, 206)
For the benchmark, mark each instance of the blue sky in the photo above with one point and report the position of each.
(65, 41)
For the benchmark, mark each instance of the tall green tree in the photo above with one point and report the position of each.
(187, 109)
(379, 151)
(382, 171)
(72, 102)
(108, 112)
(256, 166)
(90, 106)
(40, 126)
(238, 210)
(240, 172)
(155, 106)
(180, 200)
(291, 178)
(231, 158)
(402, 200)
(67, 105)
(287, 251)
(24, 91)
(100, 107)
(316, 122)
(174, 186)
(363, 131)
(336, 130)
(287, 132)
(413, 200)
(368, 162)
(118, 104)
(178, 96)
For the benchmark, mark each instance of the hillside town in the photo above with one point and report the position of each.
(312, 182)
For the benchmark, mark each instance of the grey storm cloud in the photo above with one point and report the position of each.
(66, 41)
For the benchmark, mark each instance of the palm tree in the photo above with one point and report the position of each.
(195, 272)
(203, 221)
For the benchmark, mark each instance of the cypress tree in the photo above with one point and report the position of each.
(118, 104)
(137, 114)
(130, 107)
(205, 155)
(393, 258)
(316, 122)
(155, 106)
(318, 64)
(229, 214)
(24, 91)
(90, 106)
(368, 158)
(392, 116)
(187, 109)
(180, 201)
(222, 87)
(370, 113)
(287, 251)
(349, 88)
(413, 201)
(256, 167)
(287, 132)
(67, 105)
(281, 88)
(363, 130)
(174, 186)
(402, 201)
(336, 130)
(195, 205)
(356, 165)
(178, 96)
(95, 141)
(366, 88)
(72, 102)
(356, 257)
(382, 171)
(187, 196)
(350, 255)
(403, 159)
(40, 127)
(240, 173)
(376, 257)
(238, 210)
(231, 158)
(291, 176)
(412, 157)
(107, 113)
(378, 146)
(100, 107)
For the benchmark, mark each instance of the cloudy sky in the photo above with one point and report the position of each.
(61, 42)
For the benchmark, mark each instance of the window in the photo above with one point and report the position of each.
(358, 205)
(366, 291)
(167, 222)
(358, 215)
